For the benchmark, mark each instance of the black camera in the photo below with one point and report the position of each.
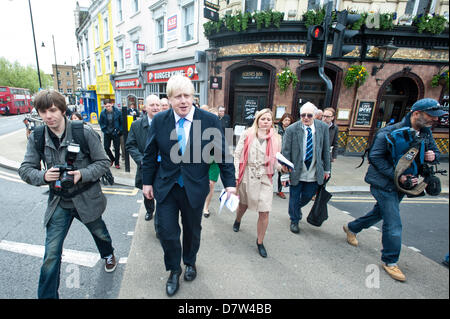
(408, 184)
(66, 180)
(433, 182)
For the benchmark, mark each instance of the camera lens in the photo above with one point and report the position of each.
(67, 180)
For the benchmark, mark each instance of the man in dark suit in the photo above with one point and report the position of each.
(183, 136)
(306, 144)
(136, 142)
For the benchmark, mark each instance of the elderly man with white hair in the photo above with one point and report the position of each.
(306, 144)
(136, 142)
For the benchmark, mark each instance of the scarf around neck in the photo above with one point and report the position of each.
(272, 147)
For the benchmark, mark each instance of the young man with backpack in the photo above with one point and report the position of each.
(73, 175)
(389, 146)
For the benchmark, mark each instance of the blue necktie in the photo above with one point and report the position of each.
(182, 144)
(309, 148)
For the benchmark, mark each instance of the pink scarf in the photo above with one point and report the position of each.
(272, 147)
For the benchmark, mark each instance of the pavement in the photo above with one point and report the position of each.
(317, 263)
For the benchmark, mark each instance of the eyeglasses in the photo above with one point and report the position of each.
(309, 115)
(327, 116)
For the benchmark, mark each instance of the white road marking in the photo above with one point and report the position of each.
(123, 260)
(375, 227)
(130, 233)
(414, 249)
(82, 258)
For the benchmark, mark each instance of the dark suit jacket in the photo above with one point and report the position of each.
(135, 145)
(193, 166)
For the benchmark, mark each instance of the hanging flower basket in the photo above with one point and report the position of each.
(285, 78)
(356, 76)
(440, 79)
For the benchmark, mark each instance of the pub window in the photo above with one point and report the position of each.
(416, 7)
(259, 5)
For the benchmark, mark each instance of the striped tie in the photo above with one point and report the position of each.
(182, 144)
(309, 148)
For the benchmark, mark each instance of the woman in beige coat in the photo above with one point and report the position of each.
(255, 162)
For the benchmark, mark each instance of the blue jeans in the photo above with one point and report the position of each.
(57, 229)
(387, 209)
(299, 196)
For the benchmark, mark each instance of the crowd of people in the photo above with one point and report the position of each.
(175, 183)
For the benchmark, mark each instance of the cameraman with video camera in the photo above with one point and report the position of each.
(391, 167)
(73, 177)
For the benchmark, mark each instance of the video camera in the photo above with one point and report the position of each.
(66, 180)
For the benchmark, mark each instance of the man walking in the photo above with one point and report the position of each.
(74, 193)
(136, 142)
(306, 144)
(110, 122)
(180, 182)
(380, 176)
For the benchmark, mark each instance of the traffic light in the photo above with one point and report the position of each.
(316, 40)
(342, 34)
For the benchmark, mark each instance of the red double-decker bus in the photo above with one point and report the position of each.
(15, 100)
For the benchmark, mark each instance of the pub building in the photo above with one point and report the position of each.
(401, 64)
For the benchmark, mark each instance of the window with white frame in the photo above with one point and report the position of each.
(159, 25)
(135, 6)
(119, 11)
(86, 42)
(261, 5)
(97, 36)
(121, 57)
(107, 62)
(98, 63)
(188, 22)
(135, 52)
(105, 27)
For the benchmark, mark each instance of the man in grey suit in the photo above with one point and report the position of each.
(306, 144)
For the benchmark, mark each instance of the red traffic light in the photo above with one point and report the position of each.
(317, 32)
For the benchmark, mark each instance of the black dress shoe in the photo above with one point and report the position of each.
(173, 283)
(294, 228)
(149, 216)
(261, 249)
(190, 273)
(236, 226)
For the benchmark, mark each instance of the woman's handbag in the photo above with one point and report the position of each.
(319, 211)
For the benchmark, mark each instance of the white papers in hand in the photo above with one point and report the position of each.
(230, 203)
(283, 160)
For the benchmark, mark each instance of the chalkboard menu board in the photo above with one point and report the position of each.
(250, 108)
(364, 113)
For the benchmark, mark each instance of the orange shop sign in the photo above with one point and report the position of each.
(164, 75)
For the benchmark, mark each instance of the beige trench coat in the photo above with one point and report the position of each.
(256, 189)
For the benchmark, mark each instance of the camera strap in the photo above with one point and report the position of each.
(402, 165)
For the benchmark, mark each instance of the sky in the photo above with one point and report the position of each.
(50, 17)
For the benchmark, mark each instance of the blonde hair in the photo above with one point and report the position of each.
(179, 83)
(254, 127)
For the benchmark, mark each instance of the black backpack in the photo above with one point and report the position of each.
(79, 138)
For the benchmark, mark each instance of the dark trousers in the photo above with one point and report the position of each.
(300, 195)
(57, 229)
(150, 208)
(107, 138)
(169, 229)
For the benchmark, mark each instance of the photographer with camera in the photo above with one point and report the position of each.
(396, 158)
(110, 122)
(73, 176)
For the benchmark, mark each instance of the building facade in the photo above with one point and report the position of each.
(247, 65)
(67, 80)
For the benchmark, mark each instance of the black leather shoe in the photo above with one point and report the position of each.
(236, 226)
(149, 216)
(261, 249)
(190, 273)
(294, 228)
(173, 283)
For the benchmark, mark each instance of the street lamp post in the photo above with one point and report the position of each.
(56, 64)
(35, 48)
